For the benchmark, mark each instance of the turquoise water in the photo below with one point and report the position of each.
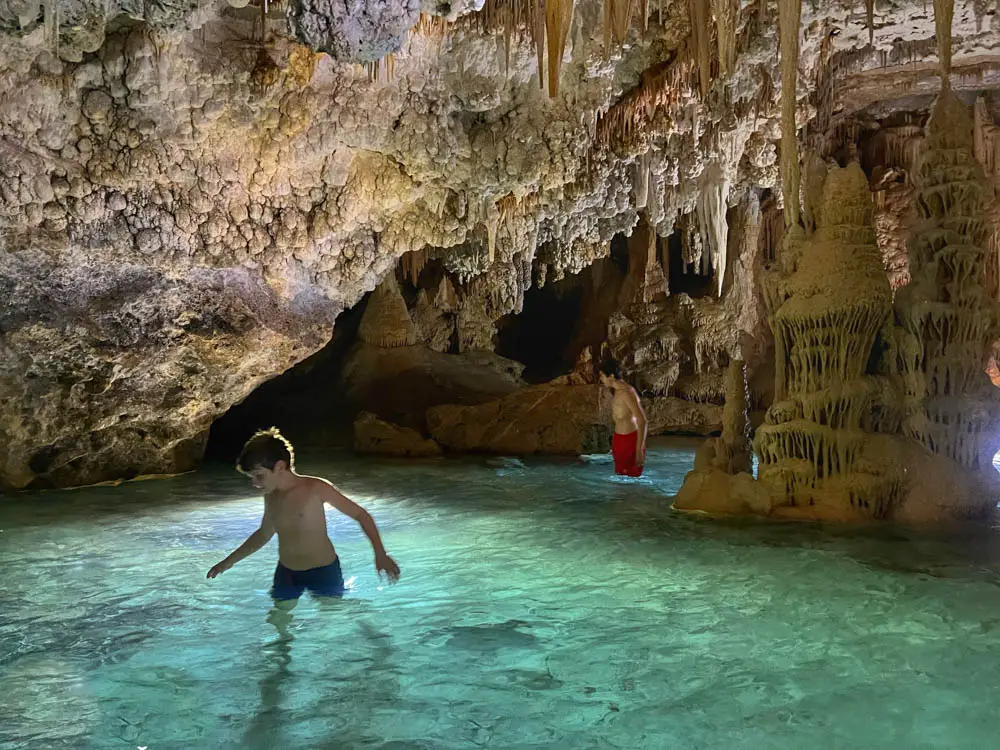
(542, 605)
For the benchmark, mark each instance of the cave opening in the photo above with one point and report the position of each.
(304, 402)
(561, 319)
(540, 337)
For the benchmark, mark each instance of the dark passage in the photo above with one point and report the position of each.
(541, 335)
(303, 402)
(693, 283)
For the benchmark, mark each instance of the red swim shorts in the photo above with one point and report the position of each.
(625, 450)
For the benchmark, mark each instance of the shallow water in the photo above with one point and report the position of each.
(544, 604)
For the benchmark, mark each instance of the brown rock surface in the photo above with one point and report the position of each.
(375, 436)
(542, 419)
(119, 370)
(400, 384)
(669, 415)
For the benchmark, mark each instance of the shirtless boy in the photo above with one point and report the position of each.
(629, 443)
(294, 510)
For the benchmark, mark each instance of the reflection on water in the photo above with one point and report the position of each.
(542, 604)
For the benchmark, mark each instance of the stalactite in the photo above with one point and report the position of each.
(870, 19)
(538, 31)
(980, 9)
(692, 248)
(52, 25)
(944, 10)
(558, 22)
(713, 201)
(491, 218)
(641, 181)
(701, 39)
(617, 19)
(411, 264)
(431, 26)
(383, 70)
(789, 13)
(661, 98)
(535, 21)
(726, 16)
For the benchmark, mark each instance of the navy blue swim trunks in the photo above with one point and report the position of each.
(325, 581)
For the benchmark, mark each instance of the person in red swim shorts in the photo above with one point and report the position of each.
(629, 443)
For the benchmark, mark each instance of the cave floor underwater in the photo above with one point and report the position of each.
(542, 603)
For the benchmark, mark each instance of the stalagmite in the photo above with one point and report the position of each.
(947, 317)
(720, 481)
(735, 439)
(822, 439)
(386, 321)
(789, 13)
(812, 202)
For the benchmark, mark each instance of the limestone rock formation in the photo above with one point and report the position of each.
(359, 31)
(947, 316)
(542, 419)
(374, 436)
(386, 322)
(670, 415)
(259, 187)
(400, 384)
(720, 481)
(826, 444)
(117, 369)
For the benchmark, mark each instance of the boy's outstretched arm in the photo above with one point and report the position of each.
(253, 543)
(383, 563)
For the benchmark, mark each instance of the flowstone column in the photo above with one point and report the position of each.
(827, 448)
(947, 318)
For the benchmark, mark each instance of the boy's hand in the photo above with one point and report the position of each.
(385, 564)
(220, 568)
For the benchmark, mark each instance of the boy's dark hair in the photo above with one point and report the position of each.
(265, 449)
(610, 367)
